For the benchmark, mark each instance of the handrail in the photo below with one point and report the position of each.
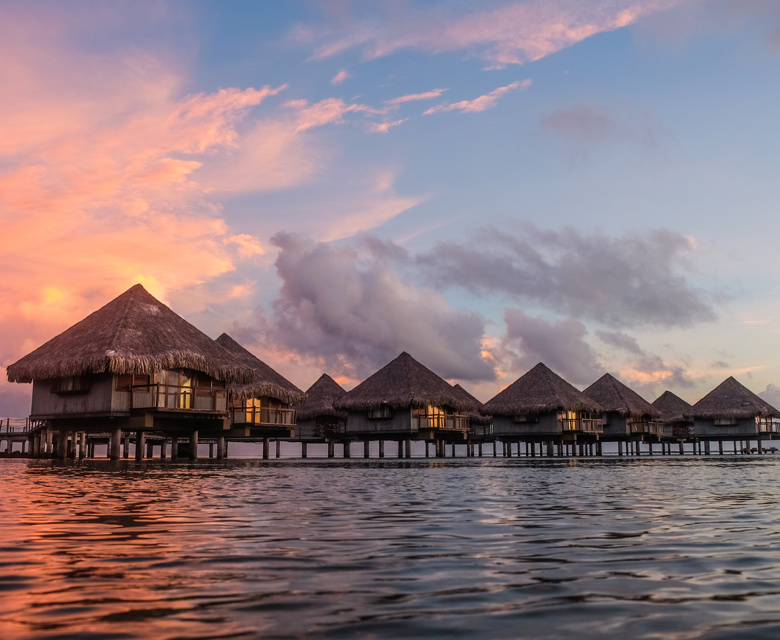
(15, 425)
(172, 396)
(263, 415)
(446, 422)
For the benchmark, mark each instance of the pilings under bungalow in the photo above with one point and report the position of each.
(43, 442)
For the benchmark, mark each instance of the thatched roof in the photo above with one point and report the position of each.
(134, 333)
(673, 408)
(613, 395)
(730, 399)
(473, 411)
(320, 398)
(265, 381)
(538, 391)
(402, 383)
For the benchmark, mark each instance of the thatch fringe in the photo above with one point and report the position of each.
(730, 399)
(320, 398)
(265, 381)
(134, 333)
(400, 384)
(538, 391)
(613, 395)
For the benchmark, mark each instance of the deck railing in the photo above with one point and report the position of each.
(448, 423)
(269, 416)
(650, 427)
(15, 425)
(169, 396)
(588, 425)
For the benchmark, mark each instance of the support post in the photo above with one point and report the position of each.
(140, 438)
(174, 448)
(126, 449)
(381, 448)
(220, 447)
(400, 448)
(193, 445)
(278, 448)
(114, 444)
(266, 443)
(331, 449)
(304, 452)
(366, 449)
(164, 448)
(408, 448)
(347, 449)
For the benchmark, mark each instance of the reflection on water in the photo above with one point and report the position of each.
(464, 548)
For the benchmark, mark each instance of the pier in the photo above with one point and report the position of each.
(23, 438)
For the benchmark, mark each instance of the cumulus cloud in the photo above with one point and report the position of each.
(771, 394)
(500, 33)
(622, 281)
(646, 373)
(352, 314)
(487, 101)
(560, 345)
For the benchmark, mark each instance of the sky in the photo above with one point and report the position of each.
(484, 184)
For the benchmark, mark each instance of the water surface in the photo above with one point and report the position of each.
(464, 548)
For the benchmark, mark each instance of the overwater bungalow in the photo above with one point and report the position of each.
(405, 400)
(263, 406)
(732, 411)
(626, 415)
(678, 425)
(317, 417)
(541, 405)
(480, 426)
(133, 365)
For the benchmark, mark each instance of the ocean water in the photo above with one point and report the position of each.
(671, 548)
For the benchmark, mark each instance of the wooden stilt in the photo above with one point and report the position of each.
(193, 445)
(140, 438)
(366, 449)
(114, 444)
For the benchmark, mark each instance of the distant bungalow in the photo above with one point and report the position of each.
(317, 417)
(542, 406)
(731, 410)
(677, 424)
(627, 415)
(263, 406)
(133, 365)
(405, 400)
(479, 424)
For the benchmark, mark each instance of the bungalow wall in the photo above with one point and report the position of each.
(706, 428)
(399, 422)
(546, 425)
(319, 427)
(615, 425)
(95, 399)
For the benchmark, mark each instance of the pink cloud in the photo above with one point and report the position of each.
(384, 127)
(340, 78)
(513, 33)
(482, 103)
(428, 95)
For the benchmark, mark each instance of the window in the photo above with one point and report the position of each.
(70, 384)
(525, 417)
(380, 413)
(725, 422)
(126, 381)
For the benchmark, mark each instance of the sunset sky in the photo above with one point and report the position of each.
(484, 184)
